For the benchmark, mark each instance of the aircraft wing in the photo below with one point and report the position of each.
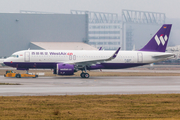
(164, 56)
(90, 62)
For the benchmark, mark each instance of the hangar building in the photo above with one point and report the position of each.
(35, 30)
(18, 31)
(126, 30)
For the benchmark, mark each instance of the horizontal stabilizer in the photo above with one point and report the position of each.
(163, 56)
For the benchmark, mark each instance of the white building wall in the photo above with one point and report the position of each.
(106, 35)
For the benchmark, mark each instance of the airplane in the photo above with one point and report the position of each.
(67, 62)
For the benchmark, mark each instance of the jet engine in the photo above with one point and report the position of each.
(65, 69)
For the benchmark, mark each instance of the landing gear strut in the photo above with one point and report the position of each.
(84, 75)
(27, 71)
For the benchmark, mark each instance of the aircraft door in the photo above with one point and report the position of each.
(26, 57)
(139, 57)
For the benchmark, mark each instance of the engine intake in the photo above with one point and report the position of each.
(65, 69)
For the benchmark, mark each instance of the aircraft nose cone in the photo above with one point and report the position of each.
(2, 61)
(6, 61)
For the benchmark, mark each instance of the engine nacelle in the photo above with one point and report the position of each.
(65, 69)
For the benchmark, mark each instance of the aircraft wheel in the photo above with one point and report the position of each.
(82, 75)
(86, 75)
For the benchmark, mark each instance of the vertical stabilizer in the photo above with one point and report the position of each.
(159, 41)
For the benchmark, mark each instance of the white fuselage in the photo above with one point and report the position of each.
(73, 56)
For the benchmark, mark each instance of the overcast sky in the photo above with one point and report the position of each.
(170, 7)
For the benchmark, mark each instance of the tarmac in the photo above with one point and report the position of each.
(44, 86)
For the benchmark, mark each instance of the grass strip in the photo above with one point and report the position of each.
(10, 84)
(133, 107)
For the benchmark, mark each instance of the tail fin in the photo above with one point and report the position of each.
(159, 41)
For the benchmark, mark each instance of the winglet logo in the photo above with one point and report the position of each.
(161, 39)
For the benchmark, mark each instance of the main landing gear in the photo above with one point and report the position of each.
(84, 75)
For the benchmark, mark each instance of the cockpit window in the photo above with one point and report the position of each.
(15, 56)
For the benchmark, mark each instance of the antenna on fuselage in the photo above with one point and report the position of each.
(134, 48)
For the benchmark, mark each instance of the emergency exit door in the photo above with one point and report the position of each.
(26, 57)
(139, 57)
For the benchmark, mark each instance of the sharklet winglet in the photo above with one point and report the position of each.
(114, 55)
(100, 48)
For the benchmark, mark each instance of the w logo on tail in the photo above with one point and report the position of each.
(161, 39)
(158, 42)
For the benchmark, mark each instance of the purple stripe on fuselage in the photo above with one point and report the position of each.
(28, 65)
(121, 65)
